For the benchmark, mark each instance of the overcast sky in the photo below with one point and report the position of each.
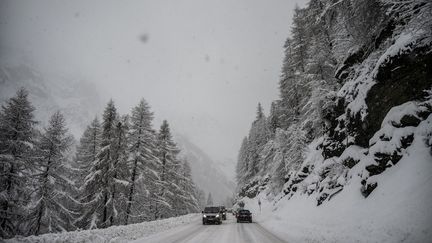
(203, 65)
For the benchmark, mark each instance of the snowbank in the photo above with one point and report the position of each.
(398, 210)
(113, 234)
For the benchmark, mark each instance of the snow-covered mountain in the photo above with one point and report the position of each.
(345, 155)
(205, 172)
(78, 100)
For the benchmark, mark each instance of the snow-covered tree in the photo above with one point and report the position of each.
(167, 154)
(48, 212)
(259, 134)
(119, 171)
(88, 148)
(291, 87)
(260, 112)
(274, 117)
(288, 155)
(16, 146)
(242, 160)
(299, 42)
(143, 162)
(97, 198)
(186, 201)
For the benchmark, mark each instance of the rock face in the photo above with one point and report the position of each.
(403, 78)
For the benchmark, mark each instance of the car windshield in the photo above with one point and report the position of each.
(211, 210)
(244, 211)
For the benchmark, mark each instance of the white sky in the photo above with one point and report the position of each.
(203, 65)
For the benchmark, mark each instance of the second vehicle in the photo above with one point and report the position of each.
(244, 215)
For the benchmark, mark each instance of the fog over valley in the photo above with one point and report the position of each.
(203, 66)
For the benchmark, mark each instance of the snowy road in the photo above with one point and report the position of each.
(228, 231)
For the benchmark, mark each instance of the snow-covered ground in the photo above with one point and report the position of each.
(115, 234)
(398, 210)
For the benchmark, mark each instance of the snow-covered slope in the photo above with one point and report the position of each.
(397, 210)
(77, 100)
(205, 171)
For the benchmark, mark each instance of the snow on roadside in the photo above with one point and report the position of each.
(398, 210)
(114, 234)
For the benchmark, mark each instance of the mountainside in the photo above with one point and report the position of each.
(227, 166)
(77, 100)
(355, 104)
(205, 173)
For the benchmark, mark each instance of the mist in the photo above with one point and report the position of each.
(202, 65)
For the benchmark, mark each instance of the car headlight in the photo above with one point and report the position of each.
(204, 216)
(217, 215)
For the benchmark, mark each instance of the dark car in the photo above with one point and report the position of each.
(211, 215)
(244, 215)
(223, 212)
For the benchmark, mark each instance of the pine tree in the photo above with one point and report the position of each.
(167, 154)
(88, 148)
(97, 186)
(143, 161)
(48, 213)
(274, 117)
(291, 86)
(16, 145)
(119, 171)
(186, 201)
(104, 161)
(300, 39)
(242, 161)
(258, 136)
(260, 112)
(142, 149)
